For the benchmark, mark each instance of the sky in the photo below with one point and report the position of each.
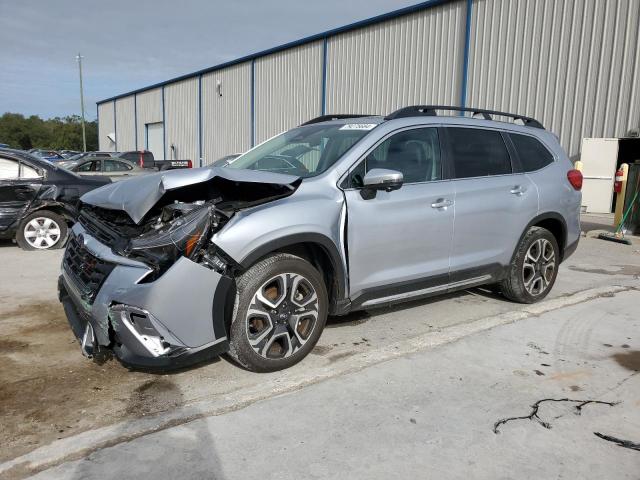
(128, 44)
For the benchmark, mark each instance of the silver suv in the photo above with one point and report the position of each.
(342, 213)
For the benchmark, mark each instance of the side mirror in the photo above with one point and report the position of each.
(382, 179)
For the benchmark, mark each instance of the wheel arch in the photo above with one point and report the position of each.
(318, 250)
(552, 221)
(55, 207)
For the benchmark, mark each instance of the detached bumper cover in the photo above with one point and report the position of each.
(175, 320)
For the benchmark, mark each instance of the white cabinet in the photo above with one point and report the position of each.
(599, 161)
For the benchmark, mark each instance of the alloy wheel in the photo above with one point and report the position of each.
(42, 233)
(539, 266)
(282, 315)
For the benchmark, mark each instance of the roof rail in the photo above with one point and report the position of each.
(338, 116)
(430, 110)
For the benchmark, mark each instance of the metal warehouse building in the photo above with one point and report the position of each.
(572, 64)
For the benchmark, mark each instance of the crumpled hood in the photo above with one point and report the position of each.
(137, 195)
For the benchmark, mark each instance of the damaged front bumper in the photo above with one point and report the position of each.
(175, 320)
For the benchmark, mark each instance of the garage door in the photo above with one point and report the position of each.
(155, 139)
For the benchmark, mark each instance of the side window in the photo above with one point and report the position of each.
(28, 172)
(9, 169)
(415, 153)
(532, 154)
(478, 153)
(115, 166)
(93, 166)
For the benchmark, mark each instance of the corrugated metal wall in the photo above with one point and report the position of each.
(149, 110)
(125, 115)
(288, 89)
(574, 65)
(106, 127)
(226, 119)
(181, 120)
(415, 59)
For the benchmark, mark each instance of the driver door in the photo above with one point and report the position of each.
(399, 242)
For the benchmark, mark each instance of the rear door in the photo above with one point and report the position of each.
(116, 169)
(19, 184)
(493, 203)
(399, 242)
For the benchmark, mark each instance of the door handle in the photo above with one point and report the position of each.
(518, 190)
(441, 203)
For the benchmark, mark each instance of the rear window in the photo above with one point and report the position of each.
(532, 154)
(476, 152)
(131, 156)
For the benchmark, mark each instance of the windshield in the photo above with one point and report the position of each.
(304, 151)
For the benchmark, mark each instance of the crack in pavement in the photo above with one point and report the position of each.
(621, 443)
(534, 411)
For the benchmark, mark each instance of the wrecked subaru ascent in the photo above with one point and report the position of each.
(339, 214)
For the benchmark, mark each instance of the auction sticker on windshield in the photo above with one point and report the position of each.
(358, 126)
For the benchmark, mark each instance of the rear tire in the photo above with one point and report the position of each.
(534, 267)
(42, 230)
(280, 311)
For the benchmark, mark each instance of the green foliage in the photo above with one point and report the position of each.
(65, 133)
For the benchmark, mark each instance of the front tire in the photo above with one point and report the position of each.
(279, 313)
(534, 268)
(42, 230)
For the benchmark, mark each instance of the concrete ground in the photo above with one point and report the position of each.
(452, 365)
(430, 414)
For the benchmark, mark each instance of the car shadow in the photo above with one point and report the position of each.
(175, 370)
(7, 243)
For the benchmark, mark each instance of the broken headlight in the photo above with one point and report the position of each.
(183, 236)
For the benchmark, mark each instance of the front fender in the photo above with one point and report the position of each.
(253, 233)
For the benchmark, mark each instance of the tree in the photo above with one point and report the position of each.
(55, 134)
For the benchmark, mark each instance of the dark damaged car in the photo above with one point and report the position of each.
(337, 215)
(38, 200)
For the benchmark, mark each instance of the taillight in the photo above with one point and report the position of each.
(617, 184)
(575, 179)
(189, 164)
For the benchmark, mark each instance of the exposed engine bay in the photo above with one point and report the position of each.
(181, 221)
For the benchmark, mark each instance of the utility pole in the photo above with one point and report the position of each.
(84, 134)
